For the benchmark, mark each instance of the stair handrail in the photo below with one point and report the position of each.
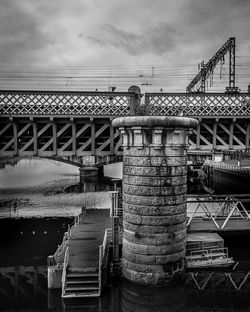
(106, 240)
(65, 265)
(100, 269)
(103, 255)
(61, 248)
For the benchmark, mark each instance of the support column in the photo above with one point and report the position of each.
(154, 197)
(88, 178)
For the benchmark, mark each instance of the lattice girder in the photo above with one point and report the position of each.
(198, 104)
(65, 103)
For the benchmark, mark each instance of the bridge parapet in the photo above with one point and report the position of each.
(209, 104)
(67, 103)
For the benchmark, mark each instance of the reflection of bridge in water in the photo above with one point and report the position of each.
(78, 124)
(227, 290)
(22, 286)
(201, 291)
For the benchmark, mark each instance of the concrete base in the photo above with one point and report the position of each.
(55, 276)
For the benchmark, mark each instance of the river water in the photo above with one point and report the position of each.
(25, 244)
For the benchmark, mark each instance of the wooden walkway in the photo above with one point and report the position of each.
(86, 238)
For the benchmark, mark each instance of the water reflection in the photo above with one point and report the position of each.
(22, 287)
(148, 299)
(23, 270)
(202, 291)
(25, 288)
(219, 290)
(33, 172)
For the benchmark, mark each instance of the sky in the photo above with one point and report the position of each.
(152, 40)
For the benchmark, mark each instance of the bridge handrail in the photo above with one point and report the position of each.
(226, 166)
(208, 104)
(66, 103)
(88, 103)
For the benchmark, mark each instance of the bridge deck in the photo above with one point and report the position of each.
(86, 238)
(207, 225)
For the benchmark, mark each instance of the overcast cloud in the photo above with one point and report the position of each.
(118, 32)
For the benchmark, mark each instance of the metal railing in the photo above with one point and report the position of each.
(103, 256)
(122, 103)
(100, 270)
(227, 166)
(209, 104)
(60, 251)
(65, 265)
(66, 103)
(218, 209)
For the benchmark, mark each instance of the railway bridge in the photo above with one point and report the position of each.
(76, 125)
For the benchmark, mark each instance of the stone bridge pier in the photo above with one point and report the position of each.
(154, 197)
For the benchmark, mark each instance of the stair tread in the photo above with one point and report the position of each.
(82, 282)
(83, 270)
(82, 274)
(80, 288)
(79, 295)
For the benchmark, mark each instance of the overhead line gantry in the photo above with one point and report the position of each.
(198, 84)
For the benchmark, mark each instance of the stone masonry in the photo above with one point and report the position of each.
(154, 197)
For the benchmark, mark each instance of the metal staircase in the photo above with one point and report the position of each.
(81, 283)
(86, 282)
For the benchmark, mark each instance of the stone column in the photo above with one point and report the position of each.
(154, 197)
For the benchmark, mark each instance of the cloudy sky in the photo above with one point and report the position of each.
(137, 37)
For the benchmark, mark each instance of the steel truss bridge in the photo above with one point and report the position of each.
(76, 124)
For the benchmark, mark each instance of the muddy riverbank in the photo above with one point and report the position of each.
(49, 199)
